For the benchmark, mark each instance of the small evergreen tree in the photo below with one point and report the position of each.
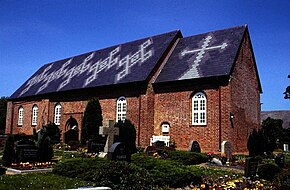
(92, 120)
(53, 132)
(127, 134)
(9, 155)
(256, 143)
(273, 130)
(45, 148)
(3, 109)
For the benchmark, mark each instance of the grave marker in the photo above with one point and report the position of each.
(251, 167)
(119, 152)
(111, 131)
(27, 151)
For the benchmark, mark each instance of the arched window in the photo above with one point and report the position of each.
(199, 109)
(20, 116)
(121, 109)
(34, 115)
(57, 114)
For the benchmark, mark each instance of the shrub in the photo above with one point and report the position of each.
(166, 172)
(187, 158)
(268, 171)
(127, 134)
(117, 175)
(74, 145)
(282, 180)
(53, 132)
(92, 120)
(9, 155)
(45, 148)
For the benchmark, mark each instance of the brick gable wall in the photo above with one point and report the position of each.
(245, 96)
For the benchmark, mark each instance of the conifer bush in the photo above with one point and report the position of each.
(127, 134)
(9, 155)
(268, 171)
(117, 175)
(92, 120)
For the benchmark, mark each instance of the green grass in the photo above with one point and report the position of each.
(37, 181)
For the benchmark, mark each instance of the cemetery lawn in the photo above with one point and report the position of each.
(37, 181)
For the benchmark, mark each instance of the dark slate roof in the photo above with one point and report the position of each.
(284, 115)
(203, 55)
(124, 63)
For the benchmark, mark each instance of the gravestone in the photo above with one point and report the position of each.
(95, 147)
(150, 150)
(119, 152)
(194, 146)
(251, 167)
(159, 144)
(27, 151)
(110, 131)
(226, 149)
(280, 160)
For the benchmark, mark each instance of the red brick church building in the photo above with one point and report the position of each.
(204, 88)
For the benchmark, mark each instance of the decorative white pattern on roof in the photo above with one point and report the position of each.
(193, 72)
(92, 69)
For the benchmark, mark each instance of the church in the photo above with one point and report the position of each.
(203, 88)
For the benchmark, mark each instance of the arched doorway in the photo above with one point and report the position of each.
(72, 131)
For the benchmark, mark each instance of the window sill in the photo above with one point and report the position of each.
(198, 125)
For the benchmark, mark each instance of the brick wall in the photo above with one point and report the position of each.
(245, 96)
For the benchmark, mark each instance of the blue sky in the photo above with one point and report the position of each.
(33, 33)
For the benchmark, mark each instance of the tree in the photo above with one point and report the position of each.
(273, 131)
(9, 155)
(127, 134)
(287, 91)
(44, 145)
(92, 120)
(3, 109)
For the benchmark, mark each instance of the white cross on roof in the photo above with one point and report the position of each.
(193, 70)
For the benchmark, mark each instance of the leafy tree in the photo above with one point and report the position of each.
(92, 120)
(287, 91)
(3, 109)
(127, 134)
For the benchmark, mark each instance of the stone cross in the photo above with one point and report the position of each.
(111, 131)
(193, 70)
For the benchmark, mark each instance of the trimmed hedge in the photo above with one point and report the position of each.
(268, 171)
(187, 158)
(167, 172)
(117, 175)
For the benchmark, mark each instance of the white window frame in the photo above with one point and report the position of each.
(34, 115)
(57, 114)
(165, 127)
(199, 103)
(20, 116)
(121, 109)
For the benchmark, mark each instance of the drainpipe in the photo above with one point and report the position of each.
(12, 118)
(139, 121)
(220, 119)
